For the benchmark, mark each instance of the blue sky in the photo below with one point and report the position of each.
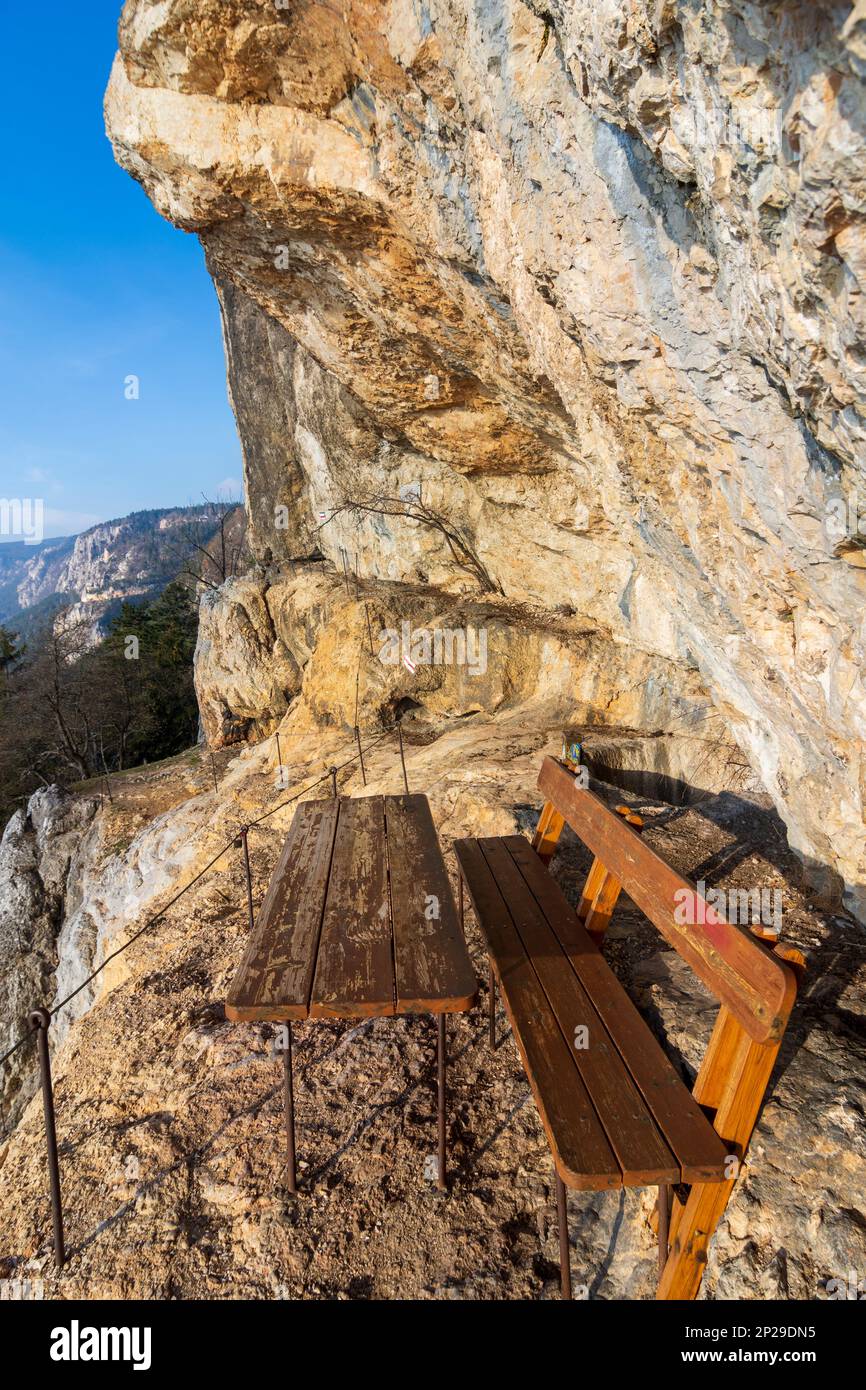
(95, 286)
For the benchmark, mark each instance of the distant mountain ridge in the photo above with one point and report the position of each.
(29, 573)
(133, 557)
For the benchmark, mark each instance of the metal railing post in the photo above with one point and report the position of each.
(360, 755)
(40, 1019)
(243, 842)
(402, 756)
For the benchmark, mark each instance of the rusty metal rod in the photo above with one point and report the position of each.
(246, 848)
(369, 629)
(564, 1261)
(360, 755)
(440, 1027)
(279, 754)
(291, 1171)
(333, 772)
(492, 1008)
(664, 1224)
(402, 756)
(40, 1020)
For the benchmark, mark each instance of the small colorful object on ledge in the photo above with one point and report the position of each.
(572, 750)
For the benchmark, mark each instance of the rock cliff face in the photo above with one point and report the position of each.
(545, 337)
(566, 299)
(43, 849)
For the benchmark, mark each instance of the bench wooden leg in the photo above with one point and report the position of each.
(440, 1024)
(732, 1081)
(291, 1172)
(548, 831)
(564, 1261)
(491, 1004)
(664, 1216)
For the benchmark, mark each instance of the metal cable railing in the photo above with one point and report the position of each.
(40, 1018)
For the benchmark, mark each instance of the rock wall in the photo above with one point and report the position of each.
(559, 301)
(42, 851)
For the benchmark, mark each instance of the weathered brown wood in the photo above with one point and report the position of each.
(698, 1150)
(274, 977)
(581, 1151)
(642, 1154)
(758, 988)
(327, 918)
(432, 968)
(354, 975)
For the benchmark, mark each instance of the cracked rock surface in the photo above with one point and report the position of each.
(587, 276)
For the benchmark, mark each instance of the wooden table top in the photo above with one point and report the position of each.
(358, 921)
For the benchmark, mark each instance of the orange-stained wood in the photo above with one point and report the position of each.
(548, 831)
(757, 987)
(737, 1071)
(594, 880)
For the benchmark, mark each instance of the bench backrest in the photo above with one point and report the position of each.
(754, 985)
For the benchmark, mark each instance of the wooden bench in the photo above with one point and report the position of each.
(615, 1110)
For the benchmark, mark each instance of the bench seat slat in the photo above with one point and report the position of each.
(581, 1151)
(640, 1150)
(699, 1150)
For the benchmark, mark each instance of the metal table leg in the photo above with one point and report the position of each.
(440, 1025)
(664, 1224)
(291, 1173)
(562, 1213)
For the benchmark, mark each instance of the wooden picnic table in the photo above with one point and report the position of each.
(358, 922)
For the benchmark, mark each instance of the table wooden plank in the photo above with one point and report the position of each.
(354, 975)
(698, 1148)
(583, 1156)
(641, 1152)
(433, 971)
(274, 977)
